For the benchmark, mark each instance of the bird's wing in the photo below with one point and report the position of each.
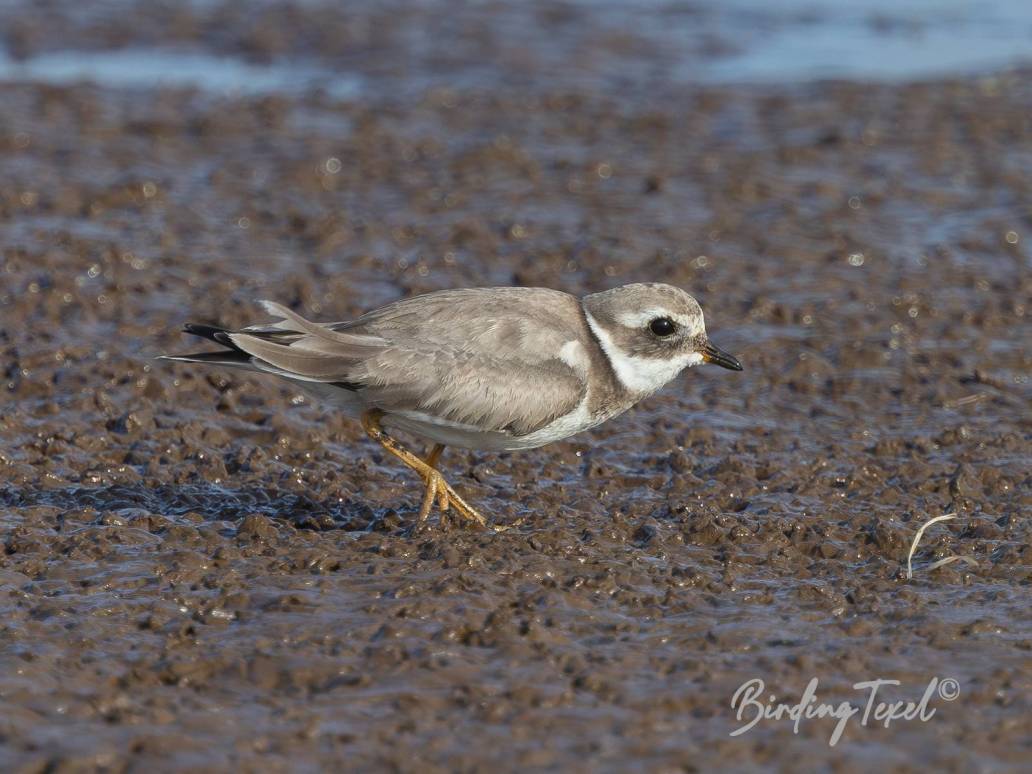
(491, 360)
(472, 389)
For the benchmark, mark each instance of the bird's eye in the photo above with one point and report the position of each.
(662, 326)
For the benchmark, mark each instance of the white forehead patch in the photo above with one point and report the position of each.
(640, 375)
(693, 324)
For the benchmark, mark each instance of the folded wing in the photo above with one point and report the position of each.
(455, 356)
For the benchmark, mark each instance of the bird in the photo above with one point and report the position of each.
(489, 368)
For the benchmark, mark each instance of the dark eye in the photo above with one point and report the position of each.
(662, 326)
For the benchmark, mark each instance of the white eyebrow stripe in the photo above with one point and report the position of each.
(694, 325)
(639, 319)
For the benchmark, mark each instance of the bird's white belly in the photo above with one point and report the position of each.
(457, 434)
(470, 437)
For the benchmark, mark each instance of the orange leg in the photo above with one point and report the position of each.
(434, 455)
(436, 487)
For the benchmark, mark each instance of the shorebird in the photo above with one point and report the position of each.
(498, 369)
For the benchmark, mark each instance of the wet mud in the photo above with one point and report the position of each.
(204, 570)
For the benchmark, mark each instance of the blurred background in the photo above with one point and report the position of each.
(206, 571)
(361, 48)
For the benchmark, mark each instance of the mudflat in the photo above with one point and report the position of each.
(204, 570)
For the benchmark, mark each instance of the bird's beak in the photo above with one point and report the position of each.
(717, 356)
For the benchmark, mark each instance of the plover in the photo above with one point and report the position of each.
(479, 368)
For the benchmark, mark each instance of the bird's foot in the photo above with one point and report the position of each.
(447, 498)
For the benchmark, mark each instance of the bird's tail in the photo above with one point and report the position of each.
(232, 355)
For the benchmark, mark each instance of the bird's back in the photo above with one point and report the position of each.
(528, 324)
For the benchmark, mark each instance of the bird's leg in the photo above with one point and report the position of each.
(448, 496)
(434, 455)
(432, 490)
(465, 509)
(441, 491)
(436, 486)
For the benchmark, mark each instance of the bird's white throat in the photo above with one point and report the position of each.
(640, 375)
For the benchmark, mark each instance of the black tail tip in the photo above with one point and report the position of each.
(204, 331)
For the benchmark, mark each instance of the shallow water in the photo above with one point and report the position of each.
(205, 570)
(155, 68)
(646, 41)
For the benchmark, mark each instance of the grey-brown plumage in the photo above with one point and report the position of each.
(482, 368)
(475, 357)
(505, 363)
